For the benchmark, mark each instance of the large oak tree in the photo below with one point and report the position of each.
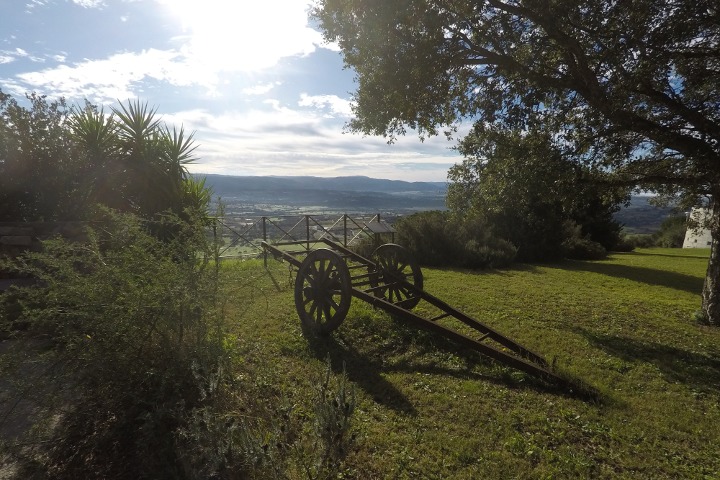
(630, 86)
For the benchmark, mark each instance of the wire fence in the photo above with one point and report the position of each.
(242, 237)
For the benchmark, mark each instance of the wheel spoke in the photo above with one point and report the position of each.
(328, 313)
(313, 309)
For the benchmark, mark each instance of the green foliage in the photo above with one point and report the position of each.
(427, 236)
(37, 161)
(672, 232)
(528, 191)
(57, 163)
(131, 320)
(640, 240)
(221, 440)
(437, 238)
(620, 83)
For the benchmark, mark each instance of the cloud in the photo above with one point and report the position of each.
(277, 140)
(260, 89)
(333, 103)
(89, 3)
(11, 55)
(106, 80)
(216, 44)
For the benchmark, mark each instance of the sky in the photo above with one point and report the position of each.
(258, 86)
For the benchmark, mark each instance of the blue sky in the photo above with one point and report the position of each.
(258, 86)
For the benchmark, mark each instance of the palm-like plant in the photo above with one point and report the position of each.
(95, 135)
(135, 162)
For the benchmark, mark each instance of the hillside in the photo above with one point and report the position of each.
(259, 195)
(306, 194)
(641, 216)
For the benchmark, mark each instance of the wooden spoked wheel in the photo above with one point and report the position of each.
(323, 291)
(395, 265)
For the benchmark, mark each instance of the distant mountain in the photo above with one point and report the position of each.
(225, 185)
(643, 217)
(351, 194)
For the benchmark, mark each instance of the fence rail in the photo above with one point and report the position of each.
(241, 237)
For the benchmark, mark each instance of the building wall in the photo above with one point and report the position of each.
(699, 238)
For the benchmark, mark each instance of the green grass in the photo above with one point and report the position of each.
(425, 409)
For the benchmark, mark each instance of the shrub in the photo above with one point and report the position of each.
(438, 239)
(495, 254)
(584, 249)
(624, 245)
(640, 240)
(131, 320)
(672, 232)
(429, 236)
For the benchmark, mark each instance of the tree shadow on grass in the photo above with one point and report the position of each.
(364, 371)
(698, 371)
(650, 276)
(502, 272)
(365, 368)
(703, 257)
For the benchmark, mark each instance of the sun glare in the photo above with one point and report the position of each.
(243, 36)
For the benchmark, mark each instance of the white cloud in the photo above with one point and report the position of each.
(260, 89)
(89, 3)
(282, 141)
(336, 105)
(106, 80)
(6, 59)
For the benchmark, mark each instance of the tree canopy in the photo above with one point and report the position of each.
(632, 84)
(631, 87)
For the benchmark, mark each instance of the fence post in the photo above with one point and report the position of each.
(345, 230)
(264, 234)
(307, 232)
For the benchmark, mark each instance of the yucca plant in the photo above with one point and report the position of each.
(134, 162)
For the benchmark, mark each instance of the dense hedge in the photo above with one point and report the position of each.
(436, 238)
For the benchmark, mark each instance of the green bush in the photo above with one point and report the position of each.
(496, 254)
(584, 249)
(438, 239)
(133, 323)
(640, 240)
(672, 232)
(624, 245)
(429, 237)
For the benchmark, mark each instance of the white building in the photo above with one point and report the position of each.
(700, 237)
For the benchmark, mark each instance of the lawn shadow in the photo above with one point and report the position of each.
(698, 371)
(360, 369)
(365, 368)
(516, 267)
(649, 276)
(703, 257)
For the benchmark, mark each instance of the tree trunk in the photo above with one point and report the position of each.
(711, 287)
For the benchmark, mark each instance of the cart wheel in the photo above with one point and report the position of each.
(323, 291)
(395, 262)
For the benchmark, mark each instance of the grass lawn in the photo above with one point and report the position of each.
(426, 409)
